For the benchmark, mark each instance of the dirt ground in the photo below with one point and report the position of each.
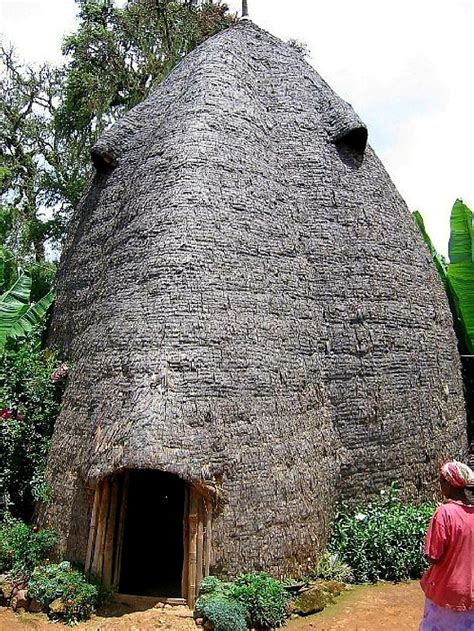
(114, 618)
(382, 607)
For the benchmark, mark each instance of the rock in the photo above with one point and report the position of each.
(6, 588)
(199, 622)
(18, 586)
(208, 626)
(57, 606)
(35, 606)
(3, 597)
(312, 600)
(20, 600)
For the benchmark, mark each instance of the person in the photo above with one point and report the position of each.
(448, 584)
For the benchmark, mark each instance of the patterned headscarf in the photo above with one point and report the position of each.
(457, 474)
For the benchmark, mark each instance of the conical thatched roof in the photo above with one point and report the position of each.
(246, 302)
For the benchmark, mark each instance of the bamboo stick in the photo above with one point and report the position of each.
(184, 578)
(193, 517)
(200, 542)
(98, 560)
(208, 538)
(93, 529)
(120, 531)
(110, 532)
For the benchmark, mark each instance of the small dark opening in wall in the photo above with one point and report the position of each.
(351, 147)
(103, 162)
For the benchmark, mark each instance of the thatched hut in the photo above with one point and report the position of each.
(254, 328)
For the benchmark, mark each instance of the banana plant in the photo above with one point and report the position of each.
(18, 316)
(457, 274)
(439, 260)
(461, 270)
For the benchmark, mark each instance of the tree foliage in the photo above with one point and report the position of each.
(51, 116)
(118, 54)
(36, 168)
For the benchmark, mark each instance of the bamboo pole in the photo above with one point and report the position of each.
(98, 560)
(120, 531)
(93, 528)
(184, 578)
(110, 532)
(193, 517)
(199, 542)
(208, 538)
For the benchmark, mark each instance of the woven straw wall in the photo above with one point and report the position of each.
(245, 300)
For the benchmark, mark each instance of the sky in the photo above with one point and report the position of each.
(406, 66)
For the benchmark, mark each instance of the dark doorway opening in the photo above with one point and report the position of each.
(152, 552)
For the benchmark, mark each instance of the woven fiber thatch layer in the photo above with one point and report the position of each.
(245, 300)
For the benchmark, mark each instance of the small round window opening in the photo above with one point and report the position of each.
(351, 147)
(103, 162)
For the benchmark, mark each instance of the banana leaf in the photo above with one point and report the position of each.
(36, 313)
(458, 275)
(461, 241)
(461, 289)
(17, 315)
(461, 272)
(438, 259)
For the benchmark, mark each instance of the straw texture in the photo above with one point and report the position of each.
(246, 302)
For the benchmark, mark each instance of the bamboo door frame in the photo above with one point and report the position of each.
(197, 539)
(104, 549)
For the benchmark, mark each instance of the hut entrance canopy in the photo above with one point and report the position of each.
(150, 535)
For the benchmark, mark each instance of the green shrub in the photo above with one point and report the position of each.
(29, 404)
(211, 585)
(264, 598)
(226, 614)
(23, 547)
(210, 588)
(382, 540)
(78, 597)
(331, 568)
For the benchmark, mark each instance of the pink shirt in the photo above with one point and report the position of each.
(450, 541)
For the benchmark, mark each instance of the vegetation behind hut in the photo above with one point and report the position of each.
(457, 275)
(51, 116)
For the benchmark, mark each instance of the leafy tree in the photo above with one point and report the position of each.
(30, 156)
(50, 117)
(118, 54)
